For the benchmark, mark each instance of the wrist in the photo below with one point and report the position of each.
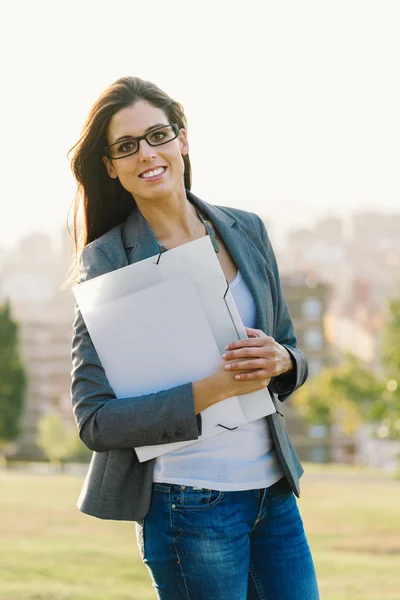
(207, 392)
(202, 394)
(286, 361)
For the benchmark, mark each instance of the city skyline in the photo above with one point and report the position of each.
(280, 232)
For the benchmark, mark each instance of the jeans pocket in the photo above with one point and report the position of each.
(187, 497)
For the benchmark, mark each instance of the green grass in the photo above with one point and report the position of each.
(50, 551)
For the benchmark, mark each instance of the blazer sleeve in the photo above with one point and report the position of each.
(106, 423)
(283, 385)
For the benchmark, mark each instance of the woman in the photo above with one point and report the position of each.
(217, 519)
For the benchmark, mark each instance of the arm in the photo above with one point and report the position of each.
(283, 385)
(105, 422)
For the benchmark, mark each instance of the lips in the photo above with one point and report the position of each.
(153, 173)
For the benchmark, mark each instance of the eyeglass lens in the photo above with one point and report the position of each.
(159, 136)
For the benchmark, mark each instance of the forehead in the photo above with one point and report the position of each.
(134, 120)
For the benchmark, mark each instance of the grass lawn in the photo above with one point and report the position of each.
(50, 551)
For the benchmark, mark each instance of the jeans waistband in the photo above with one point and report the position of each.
(279, 486)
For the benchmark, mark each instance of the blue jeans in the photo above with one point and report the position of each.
(203, 544)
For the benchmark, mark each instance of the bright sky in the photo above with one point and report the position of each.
(293, 107)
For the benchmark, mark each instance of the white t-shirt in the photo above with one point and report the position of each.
(242, 459)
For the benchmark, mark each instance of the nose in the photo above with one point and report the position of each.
(145, 150)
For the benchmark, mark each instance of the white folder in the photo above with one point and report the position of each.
(165, 321)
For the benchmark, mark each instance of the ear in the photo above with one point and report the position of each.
(110, 167)
(183, 142)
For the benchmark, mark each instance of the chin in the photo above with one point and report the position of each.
(156, 193)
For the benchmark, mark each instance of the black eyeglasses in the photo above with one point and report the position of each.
(155, 137)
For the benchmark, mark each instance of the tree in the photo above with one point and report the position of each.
(387, 409)
(344, 395)
(391, 338)
(350, 394)
(12, 379)
(58, 440)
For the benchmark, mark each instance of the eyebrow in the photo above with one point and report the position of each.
(131, 137)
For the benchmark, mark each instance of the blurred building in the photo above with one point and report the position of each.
(375, 253)
(308, 301)
(319, 251)
(368, 253)
(355, 322)
(362, 270)
(45, 346)
(31, 277)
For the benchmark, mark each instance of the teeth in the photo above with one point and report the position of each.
(152, 173)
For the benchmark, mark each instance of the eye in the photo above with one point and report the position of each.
(158, 136)
(126, 147)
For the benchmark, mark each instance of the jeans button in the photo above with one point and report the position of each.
(173, 506)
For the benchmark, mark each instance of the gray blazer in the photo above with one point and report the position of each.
(117, 486)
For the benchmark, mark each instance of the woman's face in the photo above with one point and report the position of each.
(133, 171)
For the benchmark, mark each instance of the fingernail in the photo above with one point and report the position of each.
(226, 347)
(238, 376)
(224, 356)
(227, 367)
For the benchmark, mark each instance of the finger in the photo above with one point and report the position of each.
(256, 333)
(251, 352)
(258, 363)
(243, 343)
(254, 375)
(249, 334)
(246, 343)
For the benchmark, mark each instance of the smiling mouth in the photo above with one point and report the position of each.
(153, 174)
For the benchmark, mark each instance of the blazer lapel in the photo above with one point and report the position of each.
(138, 238)
(246, 257)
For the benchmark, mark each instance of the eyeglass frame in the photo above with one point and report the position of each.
(138, 139)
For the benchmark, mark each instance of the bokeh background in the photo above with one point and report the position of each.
(293, 114)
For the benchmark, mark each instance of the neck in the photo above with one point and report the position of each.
(171, 218)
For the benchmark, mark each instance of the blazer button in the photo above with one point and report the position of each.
(179, 435)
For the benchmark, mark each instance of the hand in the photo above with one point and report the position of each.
(260, 355)
(221, 385)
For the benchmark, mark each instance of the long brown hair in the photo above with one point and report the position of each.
(104, 202)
